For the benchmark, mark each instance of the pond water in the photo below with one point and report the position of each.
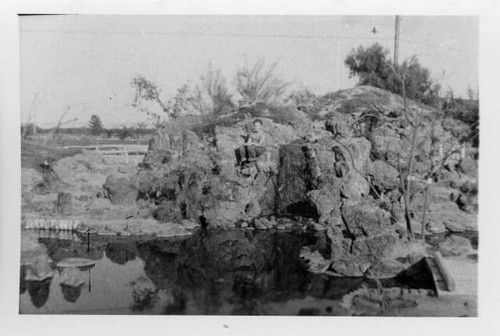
(230, 272)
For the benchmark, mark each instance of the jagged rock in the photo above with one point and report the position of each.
(167, 211)
(349, 267)
(120, 190)
(468, 202)
(327, 205)
(469, 166)
(455, 246)
(314, 260)
(337, 242)
(385, 268)
(340, 125)
(375, 245)
(225, 214)
(385, 177)
(365, 219)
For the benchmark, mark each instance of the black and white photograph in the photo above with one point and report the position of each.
(202, 169)
(225, 165)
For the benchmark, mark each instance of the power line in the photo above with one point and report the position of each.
(294, 36)
(329, 37)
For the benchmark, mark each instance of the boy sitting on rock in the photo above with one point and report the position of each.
(253, 147)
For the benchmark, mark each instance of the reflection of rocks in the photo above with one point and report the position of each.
(39, 269)
(121, 252)
(177, 306)
(256, 263)
(71, 293)
(144, 293)
(22, 280)
(62, 249)
(39, 291)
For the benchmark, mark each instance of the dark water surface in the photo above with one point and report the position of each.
(218, 272)
(230, 272)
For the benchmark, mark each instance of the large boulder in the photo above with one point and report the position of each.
(385, 177)
(81, 170)
(365, 219)
(120, 190)
(374, 245)
(327, 204)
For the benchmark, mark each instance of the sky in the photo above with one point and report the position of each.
(88, 61)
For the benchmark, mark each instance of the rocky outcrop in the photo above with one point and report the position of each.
(338, 175)
(120, 190)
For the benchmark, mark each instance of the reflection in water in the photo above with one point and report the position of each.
(178, 304)
(71, 293)
(39, 291)
(121, 252)
(22, 283)
(214, 272)
(144, 294)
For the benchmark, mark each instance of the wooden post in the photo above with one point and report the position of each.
(448, 279)
(396, 40)
(425, 211)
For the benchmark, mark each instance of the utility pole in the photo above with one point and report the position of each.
(396, 40)
(337, 62)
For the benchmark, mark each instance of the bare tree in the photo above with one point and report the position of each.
(259, 83)
(148, 90)
(62, 122)
(415, 120)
